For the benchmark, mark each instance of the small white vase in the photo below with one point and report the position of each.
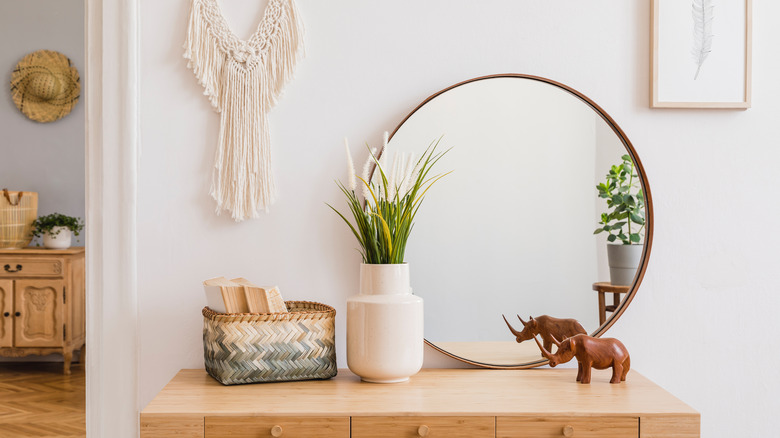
(385, 326)
(61, 240)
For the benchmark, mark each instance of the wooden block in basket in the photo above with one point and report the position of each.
(225, 296)
(262, 299)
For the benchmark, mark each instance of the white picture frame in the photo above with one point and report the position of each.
(701, 53)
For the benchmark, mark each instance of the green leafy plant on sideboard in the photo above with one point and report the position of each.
(54, 223)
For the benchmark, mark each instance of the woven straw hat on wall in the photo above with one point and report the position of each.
(45, 86)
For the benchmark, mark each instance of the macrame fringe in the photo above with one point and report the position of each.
(243, 81)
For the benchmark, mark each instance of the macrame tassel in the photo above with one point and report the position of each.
(203, 53)
(243, 80)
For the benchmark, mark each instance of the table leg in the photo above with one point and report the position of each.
(602, 308)
(68, 355)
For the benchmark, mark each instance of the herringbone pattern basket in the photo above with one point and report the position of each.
(270, 347)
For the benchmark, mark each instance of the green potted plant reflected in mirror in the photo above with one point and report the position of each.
(624, 221)
(57, 230)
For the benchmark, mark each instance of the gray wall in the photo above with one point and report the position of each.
(44, 157)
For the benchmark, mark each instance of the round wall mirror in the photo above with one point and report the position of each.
(510, 232)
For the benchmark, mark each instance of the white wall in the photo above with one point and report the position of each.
(709, 298)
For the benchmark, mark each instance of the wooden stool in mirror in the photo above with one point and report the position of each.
(604, 288)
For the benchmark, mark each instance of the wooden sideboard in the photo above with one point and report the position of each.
(449, 403)
(42, 308)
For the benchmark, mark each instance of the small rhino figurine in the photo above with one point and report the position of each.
(546, 327)
(599, 353)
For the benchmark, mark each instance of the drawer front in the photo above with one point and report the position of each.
(285, 427)
(578, 427)
(171, 426)
(430, 427)
(15, 267)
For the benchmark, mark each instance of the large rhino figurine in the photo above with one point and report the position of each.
(546, 327)
(599, 353)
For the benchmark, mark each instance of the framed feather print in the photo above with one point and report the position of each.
(701, 52)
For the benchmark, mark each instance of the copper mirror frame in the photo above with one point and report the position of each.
(645, 187)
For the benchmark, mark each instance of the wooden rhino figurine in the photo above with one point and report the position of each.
(599, 353)
(546, 327)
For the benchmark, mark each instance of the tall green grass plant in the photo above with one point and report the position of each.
(384, 218)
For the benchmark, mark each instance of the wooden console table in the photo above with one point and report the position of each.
(435, 403)
(42, 302)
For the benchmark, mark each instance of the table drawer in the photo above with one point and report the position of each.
(286, 427)
(14, 267)
(578, 427)
(431, 427)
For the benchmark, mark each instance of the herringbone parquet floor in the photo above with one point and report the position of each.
(37, 400)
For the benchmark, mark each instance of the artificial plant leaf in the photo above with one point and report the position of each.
(637, 219)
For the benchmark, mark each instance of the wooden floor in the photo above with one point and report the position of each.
(37, 400)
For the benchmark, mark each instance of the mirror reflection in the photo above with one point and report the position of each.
(511, 231)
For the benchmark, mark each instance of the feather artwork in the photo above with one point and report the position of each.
(702, 32)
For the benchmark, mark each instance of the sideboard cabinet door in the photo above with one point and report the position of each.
(38, 313)
(6, 313)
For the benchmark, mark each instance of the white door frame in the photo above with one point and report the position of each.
(112, 153)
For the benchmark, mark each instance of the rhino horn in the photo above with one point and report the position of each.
(512, 329)
(521, 320)
(546, 353)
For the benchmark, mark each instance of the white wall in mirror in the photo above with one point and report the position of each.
(510, 230)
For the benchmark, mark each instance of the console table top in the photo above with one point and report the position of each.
(465, 392)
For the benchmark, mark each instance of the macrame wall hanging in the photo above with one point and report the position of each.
(243, 80)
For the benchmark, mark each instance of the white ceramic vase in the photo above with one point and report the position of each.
(61, 240)
(385, 326)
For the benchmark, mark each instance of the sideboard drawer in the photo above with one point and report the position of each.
(286, 427)
(578, 427)
(14, 267)
(431, 427)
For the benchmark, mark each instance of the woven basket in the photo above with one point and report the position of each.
(270, 347)
(18, 210)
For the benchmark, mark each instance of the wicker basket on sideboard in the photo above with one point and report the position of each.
(270, 347)
(18, 210)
